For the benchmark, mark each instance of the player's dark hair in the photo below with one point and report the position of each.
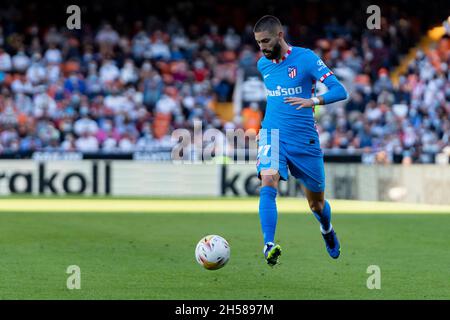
(267, 23)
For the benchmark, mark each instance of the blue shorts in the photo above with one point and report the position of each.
(305, 162)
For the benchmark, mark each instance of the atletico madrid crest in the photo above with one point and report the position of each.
(292, 72)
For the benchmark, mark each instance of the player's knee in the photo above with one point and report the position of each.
(270, 180)
(316, 205)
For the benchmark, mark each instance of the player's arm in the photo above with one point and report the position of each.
(336, 91)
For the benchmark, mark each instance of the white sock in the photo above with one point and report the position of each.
(327, 231)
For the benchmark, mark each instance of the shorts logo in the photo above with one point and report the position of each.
(292, 72)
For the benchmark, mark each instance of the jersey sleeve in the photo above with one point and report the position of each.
(319, 71)
(258, 65)
(317, 68)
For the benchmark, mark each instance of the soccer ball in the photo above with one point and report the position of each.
(212, 252)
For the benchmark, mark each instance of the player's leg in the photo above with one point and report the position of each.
(268, 214)
(320, 208)
(309, 169)
(267, 204)
(271, 167)
(322, 211)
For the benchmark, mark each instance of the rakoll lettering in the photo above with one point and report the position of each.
(55, 182)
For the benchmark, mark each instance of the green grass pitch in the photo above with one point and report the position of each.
(147, 250)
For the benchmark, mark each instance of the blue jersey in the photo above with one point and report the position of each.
(293, 76)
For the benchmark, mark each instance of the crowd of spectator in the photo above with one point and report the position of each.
(110, 92)
(103, 90)
(409, 119)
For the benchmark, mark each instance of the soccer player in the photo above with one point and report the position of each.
(288, 137)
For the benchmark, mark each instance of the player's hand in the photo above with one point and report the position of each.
(300, 102)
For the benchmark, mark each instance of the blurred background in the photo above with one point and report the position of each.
(117, 88)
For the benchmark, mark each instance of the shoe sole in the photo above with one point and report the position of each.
(272, 257)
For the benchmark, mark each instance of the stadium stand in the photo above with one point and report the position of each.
(123, 84)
